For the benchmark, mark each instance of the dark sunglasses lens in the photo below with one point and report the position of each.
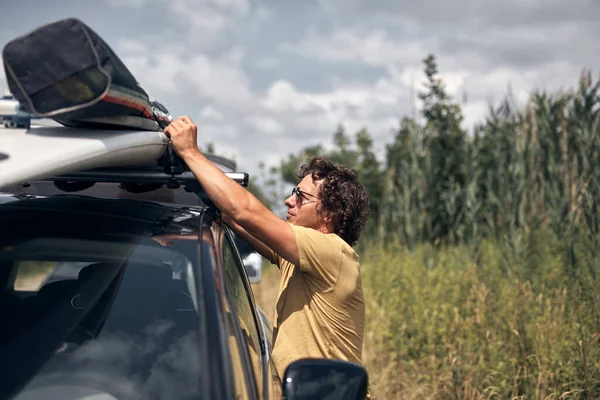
(298, 193)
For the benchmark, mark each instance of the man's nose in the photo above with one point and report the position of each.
(290, 201)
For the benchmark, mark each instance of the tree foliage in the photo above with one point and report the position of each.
(520, 169)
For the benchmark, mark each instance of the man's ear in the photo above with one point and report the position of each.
(325, 215)
(328, 221)
(320, 212)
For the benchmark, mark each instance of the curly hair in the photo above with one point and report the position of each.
(343, 198)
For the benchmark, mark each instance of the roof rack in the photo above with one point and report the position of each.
(171, 171)
(111, 175)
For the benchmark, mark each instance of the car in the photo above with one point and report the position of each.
(10, 113)
(125, 284)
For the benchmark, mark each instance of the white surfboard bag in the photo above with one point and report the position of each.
(66, 72)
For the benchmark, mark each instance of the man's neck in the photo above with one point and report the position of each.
(324, 229)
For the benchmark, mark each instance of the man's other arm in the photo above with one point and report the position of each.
(259, 246)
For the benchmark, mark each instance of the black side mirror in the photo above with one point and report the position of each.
(324, 379)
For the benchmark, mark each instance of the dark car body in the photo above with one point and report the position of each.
(110, 294)
(162, 286)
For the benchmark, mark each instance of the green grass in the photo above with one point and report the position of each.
(486, 321)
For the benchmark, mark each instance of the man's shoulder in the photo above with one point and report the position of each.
(304, 233)
(325, 242)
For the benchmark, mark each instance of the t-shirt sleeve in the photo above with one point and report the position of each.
(274, 257)
(320, 254)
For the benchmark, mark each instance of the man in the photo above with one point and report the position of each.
(320, 307)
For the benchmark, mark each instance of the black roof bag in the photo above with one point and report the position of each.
(65, 71)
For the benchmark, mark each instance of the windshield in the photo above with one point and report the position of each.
(98, 316)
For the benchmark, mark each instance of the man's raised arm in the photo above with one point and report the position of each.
(241, 206)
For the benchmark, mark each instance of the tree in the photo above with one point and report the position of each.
(355, 153)
(446, 141)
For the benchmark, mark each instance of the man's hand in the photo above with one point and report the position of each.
(184, 136)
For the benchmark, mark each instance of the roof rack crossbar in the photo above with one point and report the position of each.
(138, 176)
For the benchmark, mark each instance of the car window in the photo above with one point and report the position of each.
(243, 308)
(243, 247)
(235, 348)
(98, 317)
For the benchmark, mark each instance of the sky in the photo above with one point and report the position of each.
(265, 78)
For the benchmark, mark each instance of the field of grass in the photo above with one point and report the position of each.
(490, 321)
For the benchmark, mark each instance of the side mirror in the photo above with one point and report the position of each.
(324, 379)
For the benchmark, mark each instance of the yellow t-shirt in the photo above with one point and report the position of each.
(320, 309)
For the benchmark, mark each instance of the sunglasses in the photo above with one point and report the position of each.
(299, 193)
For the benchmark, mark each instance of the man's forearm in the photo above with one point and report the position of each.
(231, 199)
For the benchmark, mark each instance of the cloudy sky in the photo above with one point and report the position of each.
(263, 78)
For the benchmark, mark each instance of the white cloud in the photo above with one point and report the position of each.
(208, 19)
(206, 23)
(219, 80)
(210, 113)
(372, 47)
(282, 96)
(189, 8)
(315, 115)
(216, 80)
(224, 133)
(266, 125)
(460, 13)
